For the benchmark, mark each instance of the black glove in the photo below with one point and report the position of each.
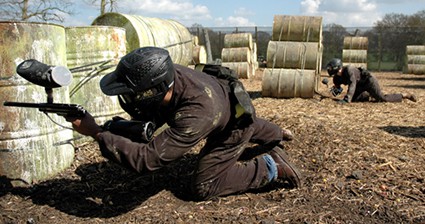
(336, 90)
(343, 101)
(137, 131)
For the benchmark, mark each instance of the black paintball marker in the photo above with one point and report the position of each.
(49, 77)
(335, 91)
(137, 131)
(62, 109)
(52, 77)
(326, 82)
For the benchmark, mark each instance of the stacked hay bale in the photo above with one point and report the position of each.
(238, 54)
(354, 51)
(415, 59)
(149, 31)
(32, 147)
(92, 52)
(199, 52)
(254, 56)
(294, 57)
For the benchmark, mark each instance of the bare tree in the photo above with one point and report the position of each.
(104, 4)
(35, 10)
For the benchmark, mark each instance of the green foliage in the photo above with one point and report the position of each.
(333, 39)
(393, 33)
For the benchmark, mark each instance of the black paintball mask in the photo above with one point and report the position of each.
(334, 66)
(141, 80)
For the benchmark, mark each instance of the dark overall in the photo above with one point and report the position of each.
(362, 85)
(200, 108)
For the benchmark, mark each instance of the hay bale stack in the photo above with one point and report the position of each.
(355, 51)
(415, 59)
(294, 57)
(239, 53)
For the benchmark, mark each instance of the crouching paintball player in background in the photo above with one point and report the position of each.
(361, 84)
(195, 106)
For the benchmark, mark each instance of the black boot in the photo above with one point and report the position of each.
(285, 169)
(410, 97)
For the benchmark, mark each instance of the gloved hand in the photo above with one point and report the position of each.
(336, 90)
(85, 125)
(343, 101)
(287, 135)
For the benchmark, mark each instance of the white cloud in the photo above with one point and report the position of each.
(344, 12)
(186, 12)
(310, 6)
(181, 10)
(233, 21)
(240, 18)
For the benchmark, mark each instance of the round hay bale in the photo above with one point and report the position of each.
(240, 54)
(297, 28)
(354, 56)
(243, 69)
(195, 40)
(416, 59)
(254, 54)
(415, 50)
(199, 54)
(288, 83)
(287, 54)
(417, 69)
(32, 147)
(236, 40)
(145, 31)
(356, 43)
(87, 45)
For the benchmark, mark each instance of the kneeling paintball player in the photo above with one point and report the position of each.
(195, 106)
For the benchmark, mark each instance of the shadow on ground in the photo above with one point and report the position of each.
(104, 189)
(411, 132)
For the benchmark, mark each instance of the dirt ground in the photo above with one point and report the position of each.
(362, 163)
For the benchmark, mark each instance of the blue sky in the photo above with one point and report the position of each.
(231, 13)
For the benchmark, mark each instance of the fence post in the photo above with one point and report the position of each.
(208, 46)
